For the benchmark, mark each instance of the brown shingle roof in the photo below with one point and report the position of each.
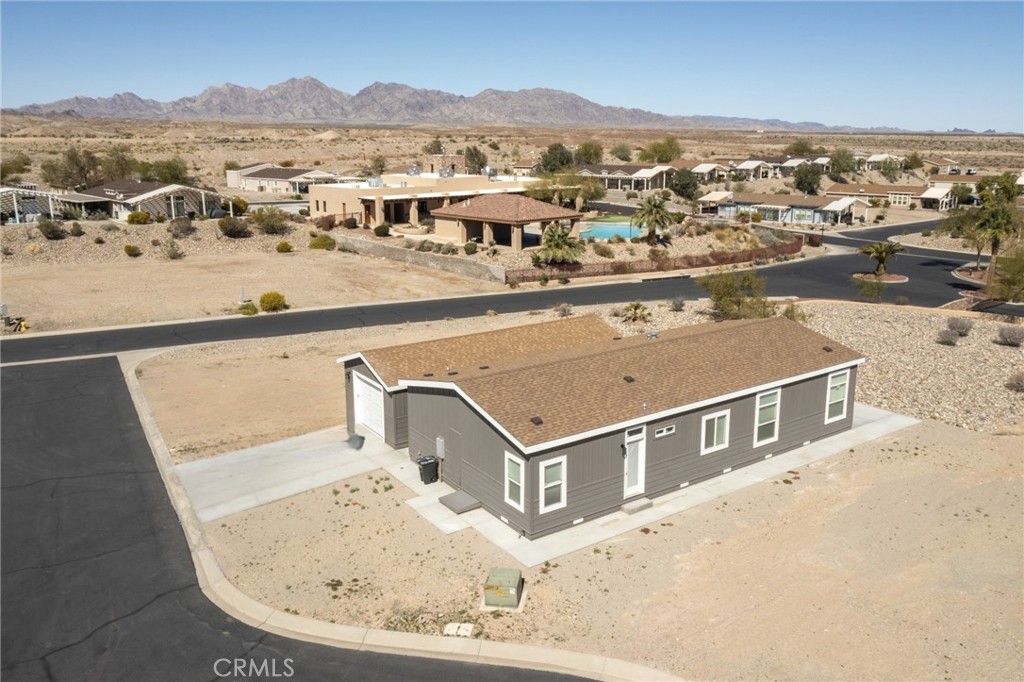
(779, 199)
(470, 351)
(879, 190)
(278, 173)
(513, 209)
(126, 188)
(580, 389)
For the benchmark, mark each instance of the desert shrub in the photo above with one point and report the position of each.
(99, 240)
(109, 227)
(96, 215)
(926, 233)
(631, 195)
(615, 312)
(756, 217)
(948, 337)
(634, 240)
(154, 242)
(68, 213)
(1016, 383)
(383, 230)
(425, 245)
(270, 220)
(512, 283)
(737, 296)
(901, 300)
(795, 313)
(869, 289)
(436, 248)
(449, 249)
(469, 248)
(677, 305)
(617, 239)
(76, 230)
(51, 229)
(238, 206)
(591, 240)
(272, 301)
(563, 309)
(138, 218)
(283, 247)
(961, 325)
(132, 250)
(603, 250)
(666, 194)
(1011, 335)
(324, 242)
(350, 223)
(620, 268)
(160, 217)
(304, 212)
(636, 312)
(657, 255)
(172, 251)
(180, 227)
(563, 280)
(248, 308)
(544, 279)
(913, 206)
(233, 228)
(409, 243)
(325, 223)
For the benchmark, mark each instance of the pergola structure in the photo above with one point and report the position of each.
(494, 217)
(116, 199)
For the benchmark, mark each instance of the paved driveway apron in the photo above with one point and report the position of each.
(97, 581)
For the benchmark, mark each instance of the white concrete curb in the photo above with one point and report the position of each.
(232, 601)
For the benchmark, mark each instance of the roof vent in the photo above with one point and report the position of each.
(628, 379)
(536, 421)
(428, 374)
(452, 373)
(485, 366)
(827, 349)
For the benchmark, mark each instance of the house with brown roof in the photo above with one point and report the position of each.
(629, 177)
(547, 437)
(501, 218)
(896, 195)
(780, 208)
(269, 177)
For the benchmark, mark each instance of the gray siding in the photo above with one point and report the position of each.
(474, 452)
(396, 414)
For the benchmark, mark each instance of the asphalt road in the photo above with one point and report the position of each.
(97, 581)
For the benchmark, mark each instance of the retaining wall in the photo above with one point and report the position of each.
(435, 261)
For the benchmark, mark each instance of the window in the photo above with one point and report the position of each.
(552, 484)
(514, 481)
(835, 406)
(665, 431)
(766, 428)
(714, 434)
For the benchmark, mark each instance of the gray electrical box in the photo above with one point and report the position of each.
(504, 587)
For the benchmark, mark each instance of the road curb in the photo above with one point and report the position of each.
(216, 586)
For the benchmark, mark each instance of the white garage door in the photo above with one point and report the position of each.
(369, 404)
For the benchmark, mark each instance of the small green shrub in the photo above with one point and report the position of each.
(425, 245)
(793, 312)
(1011, 335)
(180, 227)
(109, 227)
(324, 242)
(617, 239)
(620, 268)
(382, 230)
(603, 250)
(631, 195)
(138, 218)
(1016, 383)
(961, 325)
(154, 242)
(304, 212)
(544, 279)
(160, 217)
(948, 337)
(469, 248)
(677, 304)
(270, 220)
(926, 233)
(76, 230)
(636, 312)
(272, 301)
(563, 309)
(283, 247)
(512, 283)
(99, 240)
(325, 223)
(51, 229)
(449, 249)
(172, 250)
(248, 308)
(233, 228)
(132, 250)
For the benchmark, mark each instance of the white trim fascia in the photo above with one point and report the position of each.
(380, 380)
(630, 423)
(757, 416)
(563, 460)
(714, 416)
(521, 507)
(846, 395)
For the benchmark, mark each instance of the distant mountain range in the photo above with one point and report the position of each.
(307, 100)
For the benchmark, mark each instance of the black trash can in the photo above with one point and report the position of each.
(428, 469)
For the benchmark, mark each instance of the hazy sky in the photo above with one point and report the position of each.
(915, 65)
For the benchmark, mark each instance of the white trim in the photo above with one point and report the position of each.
(563, 486)
(641, 462)
(619, 426)
(757, 416)
(378, 377)
(665, 431)
(522, 479)
(704, 450)
(846, 395)
(372, 392)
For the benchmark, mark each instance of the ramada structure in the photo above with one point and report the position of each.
(550, 425)
(499, 218)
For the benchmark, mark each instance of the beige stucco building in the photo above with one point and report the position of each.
(400, 198)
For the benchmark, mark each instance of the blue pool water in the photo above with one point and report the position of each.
(609, 230)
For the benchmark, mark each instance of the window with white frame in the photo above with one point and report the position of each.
(766, 430)
(552, 484)
(835, 406)
(514, 468)
(665, 431)
(714, 432)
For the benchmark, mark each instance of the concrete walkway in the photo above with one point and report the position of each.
(242, 480)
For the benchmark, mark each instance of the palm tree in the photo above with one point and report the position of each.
(559, 246)
(995, 223)
(652, 215)
(881, 252)
(636, 312)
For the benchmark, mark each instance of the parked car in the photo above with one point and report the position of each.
(972, 171)
(954, 171)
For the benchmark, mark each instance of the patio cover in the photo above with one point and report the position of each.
(935, 193)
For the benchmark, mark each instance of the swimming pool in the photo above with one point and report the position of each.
(609, 230)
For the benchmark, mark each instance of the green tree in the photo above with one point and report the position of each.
(474, 159)
(10, 167)
(1009, 285)
(840, 162)
(636, 312)
(737, 295)
(378, 165)
(807, 178)
(558, 246)
(881, 252)
(653, 216)
(622, 152)
(270, 220)
(588, 153)
(434, 146)
(556, 158)
(171, 171)
(685, 185)
(661, 151)
(960, 192)
(799, 147)
(999, 188)
(75, 169)
(588, 189)
(119, 164)
(891, 169)
(997, 220)
(913, 161)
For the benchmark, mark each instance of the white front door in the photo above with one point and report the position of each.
(634, 462)
(368, 399)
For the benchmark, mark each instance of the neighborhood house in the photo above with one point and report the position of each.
(551, 425)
